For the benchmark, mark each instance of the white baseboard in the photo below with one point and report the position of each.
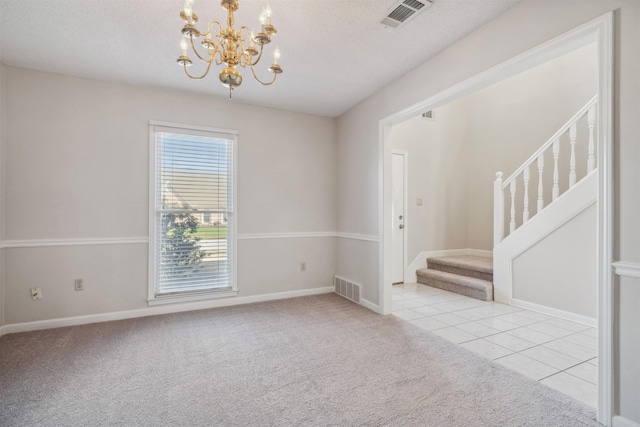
(619, 421)
(420, 261)
(573, 317)
(479, 252)
(371, 306)
(2, 331)
(156, 310)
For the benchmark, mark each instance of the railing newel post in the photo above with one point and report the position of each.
(498, 210)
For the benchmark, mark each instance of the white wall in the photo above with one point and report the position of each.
(560, 271)
(523, 27)
(627, 324)
(77, 168)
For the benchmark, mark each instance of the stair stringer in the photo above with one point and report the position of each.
(555, 215)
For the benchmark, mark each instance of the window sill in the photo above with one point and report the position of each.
(191, 296)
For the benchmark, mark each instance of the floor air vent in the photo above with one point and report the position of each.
(402, 11)
(347, 289)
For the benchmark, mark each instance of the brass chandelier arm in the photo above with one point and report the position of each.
(186, 71)
(259, 56)
(244, 60)
(211, 29)
(211, 56)
(243, 51)
(253, 71)
(243, 56)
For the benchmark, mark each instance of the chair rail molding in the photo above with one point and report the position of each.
(92, 241)
(626, 269)
(363, 237)
(43, 243)
(288, 235)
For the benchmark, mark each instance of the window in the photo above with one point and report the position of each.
(192, 214)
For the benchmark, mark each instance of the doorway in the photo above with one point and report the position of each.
(599, 30)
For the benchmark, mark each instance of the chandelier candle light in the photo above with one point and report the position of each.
(228, 46)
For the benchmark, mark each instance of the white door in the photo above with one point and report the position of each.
(397, 210)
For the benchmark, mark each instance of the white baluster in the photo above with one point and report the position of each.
(498, 210)
(573, 134)
(556, 153)
(525, 212)
(591, 120)
(512, 224)
(540, 186)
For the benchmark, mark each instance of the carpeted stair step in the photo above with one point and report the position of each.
(463, 285)
(464, 265)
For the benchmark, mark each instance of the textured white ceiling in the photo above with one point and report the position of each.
(334, 52)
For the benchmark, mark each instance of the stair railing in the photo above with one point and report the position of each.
(537, 161)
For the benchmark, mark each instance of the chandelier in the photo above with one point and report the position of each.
(227, 45)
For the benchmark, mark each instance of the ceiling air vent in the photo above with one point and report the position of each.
(403, 11)
(428, 115)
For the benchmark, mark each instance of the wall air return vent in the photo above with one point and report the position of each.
(403, 11)
(346, 289)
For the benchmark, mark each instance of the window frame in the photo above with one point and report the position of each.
(186, 296)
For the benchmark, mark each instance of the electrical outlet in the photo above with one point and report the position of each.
(36, 294)
(78, 285)
(303, 266)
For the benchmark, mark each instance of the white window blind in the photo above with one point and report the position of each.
(192, 211)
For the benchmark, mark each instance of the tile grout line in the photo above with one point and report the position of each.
(504, 314)
(543, 344)
(508, 332)
(569, 373)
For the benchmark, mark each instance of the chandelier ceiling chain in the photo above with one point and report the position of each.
(226, 45)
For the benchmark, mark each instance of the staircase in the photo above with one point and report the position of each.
(528, 208)
(467, 275)
(521, 178)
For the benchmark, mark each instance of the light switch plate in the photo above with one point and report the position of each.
(36, 294)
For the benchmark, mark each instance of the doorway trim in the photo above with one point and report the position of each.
(599, 30)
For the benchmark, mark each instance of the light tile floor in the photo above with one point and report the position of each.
(556, 352)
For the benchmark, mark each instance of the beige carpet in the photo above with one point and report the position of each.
(306, 361)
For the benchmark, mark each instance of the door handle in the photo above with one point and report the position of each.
(401, 226)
